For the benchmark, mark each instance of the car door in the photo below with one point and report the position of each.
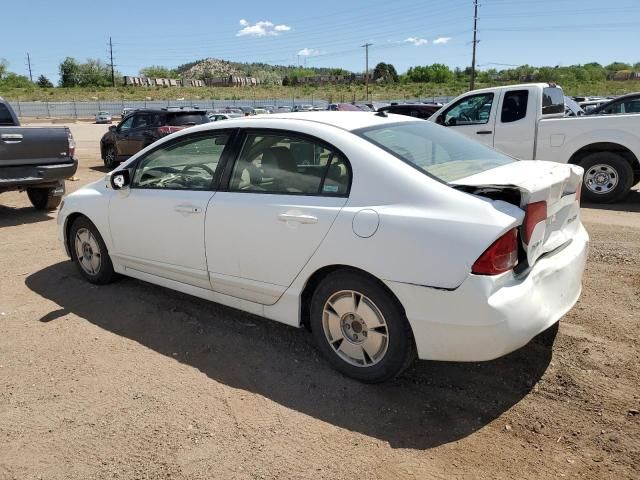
(473, 116)
(123, 145)
(514, 123)
(157, 224)
(282, 195)
(141, 132)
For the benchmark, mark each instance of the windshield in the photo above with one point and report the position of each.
(435, 150)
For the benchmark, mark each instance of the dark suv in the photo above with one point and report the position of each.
(143, 127)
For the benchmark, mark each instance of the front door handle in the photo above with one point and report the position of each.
(187, 209)
(11, 137)
(484, 132)
(299, 218)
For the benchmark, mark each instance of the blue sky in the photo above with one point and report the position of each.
(323, 33)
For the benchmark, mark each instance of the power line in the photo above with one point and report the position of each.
(472, 80)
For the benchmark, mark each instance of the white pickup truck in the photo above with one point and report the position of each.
(527, 122)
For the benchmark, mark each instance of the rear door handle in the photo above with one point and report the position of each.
(187, 209)
(11, 137)
(300, 218)
(484, 132)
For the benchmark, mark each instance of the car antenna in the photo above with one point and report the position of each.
(382, 113)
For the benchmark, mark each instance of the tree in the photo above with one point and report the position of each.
(69, 72)
(157, 71)
(3, 68)
(44, 82)
(385, 73)
(13, 80)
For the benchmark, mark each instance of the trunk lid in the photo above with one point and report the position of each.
(557, 185)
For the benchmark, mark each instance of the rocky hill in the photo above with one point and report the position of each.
(209, 67)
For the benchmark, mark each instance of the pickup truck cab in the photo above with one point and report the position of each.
(528, 122)
(35, 159)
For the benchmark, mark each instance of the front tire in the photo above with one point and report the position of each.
(89, 252)
(608, 177)
(360, 328)
(110, 157)
(44, 198)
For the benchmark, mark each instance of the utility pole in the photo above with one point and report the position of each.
(29, 64)
(366, 71)
(475, 42)
(113, 78)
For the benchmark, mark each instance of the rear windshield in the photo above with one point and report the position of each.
(179, 119)
(434, 150)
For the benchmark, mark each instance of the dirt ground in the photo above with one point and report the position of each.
(131, 380)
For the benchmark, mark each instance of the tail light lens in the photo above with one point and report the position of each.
(536, 213)
(166, 129)
(500, 257)
(579, 192)
(72, 144)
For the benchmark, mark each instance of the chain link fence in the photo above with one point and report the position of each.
(87, 110)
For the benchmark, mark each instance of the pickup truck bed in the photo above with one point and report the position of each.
(35, 159)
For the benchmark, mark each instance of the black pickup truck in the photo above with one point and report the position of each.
(35, 159)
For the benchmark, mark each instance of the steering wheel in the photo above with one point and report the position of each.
(465, 117)
(187, 180)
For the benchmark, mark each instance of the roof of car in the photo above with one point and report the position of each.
(344, 120)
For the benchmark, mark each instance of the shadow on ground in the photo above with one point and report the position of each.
(431, 404)
(14, 216)
(631, 203)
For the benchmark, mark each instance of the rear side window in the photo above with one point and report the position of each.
(552, 100)
(186, 119)
(514, 106)
(5, 115)
(289, 165)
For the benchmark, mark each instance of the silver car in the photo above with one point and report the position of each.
(103, 117)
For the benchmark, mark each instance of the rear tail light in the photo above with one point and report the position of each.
(500, 257)
(579, 192)
(72, 144)
(536, 213)
(166, 129)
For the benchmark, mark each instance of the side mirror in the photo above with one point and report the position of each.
(120, 179)
(112, 128)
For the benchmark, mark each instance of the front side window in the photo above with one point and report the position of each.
(144, 121)
(440, 153)
(126, 125)
(552, 100)
(632, 106)
(5, 115)
(188, 164)
(289, 165)
(514, 106)
(472, 110)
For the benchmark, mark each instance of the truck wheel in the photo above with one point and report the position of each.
(43, 198)
(110, 159)
(608, 177)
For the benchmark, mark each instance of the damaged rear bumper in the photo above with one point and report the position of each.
(490, 316)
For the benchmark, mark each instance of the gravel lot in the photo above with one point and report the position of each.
(131, 380)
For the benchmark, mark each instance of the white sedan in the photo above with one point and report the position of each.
(388, 237)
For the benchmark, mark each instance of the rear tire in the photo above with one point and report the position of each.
(110, 157)
(43, 198)
(360, 327)
(608, 177)
(89, 252)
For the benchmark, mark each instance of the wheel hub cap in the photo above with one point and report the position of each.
(355, 328)
(87, 251)
(601, 179)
